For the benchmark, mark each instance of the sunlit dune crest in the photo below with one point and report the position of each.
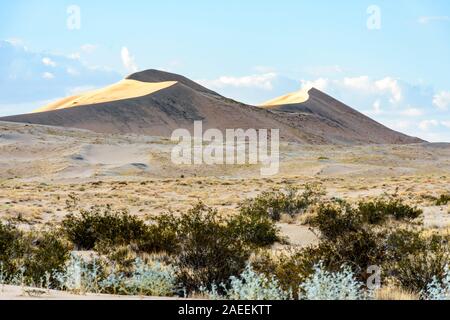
(291, 98)
(125, 89)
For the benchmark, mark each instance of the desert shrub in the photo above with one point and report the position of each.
(44, 254)
(153, 278)
(443, 200)
(79, 275)
(337, 218)
(325, 285)
(11, 249)
(334, 219)
(289, 268)
(161, 235)
(380, 210)
(275, 203)
(250, 285)
(150, 279)
(103, 224)
(254, 229)
(30, 258)
(425, 261)
(208, 251)
(439, 289)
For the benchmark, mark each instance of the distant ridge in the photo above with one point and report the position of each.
(325, 116)
(156, 103)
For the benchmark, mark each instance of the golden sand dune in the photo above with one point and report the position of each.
(125, 89)
(291, 98)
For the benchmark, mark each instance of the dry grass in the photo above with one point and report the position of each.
(394, 293)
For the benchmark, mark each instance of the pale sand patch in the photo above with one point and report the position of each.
(26, 293)
(291, 98)
(125, 89)
(298, 235)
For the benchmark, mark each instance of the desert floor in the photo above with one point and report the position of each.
(41, 168)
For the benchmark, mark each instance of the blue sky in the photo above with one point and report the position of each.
(388, 59)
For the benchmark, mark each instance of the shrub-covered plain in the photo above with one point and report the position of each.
(203, 252)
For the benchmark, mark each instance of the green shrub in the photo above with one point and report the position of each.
(289, 268)
(252, 228)
(12, 249)
(161, 236)
(30, 257)
(208, 249)
(275, 203)
(379, 211)
(45, 253)
(102, 224)
(419, 260)
(443, 200)
(335, 219)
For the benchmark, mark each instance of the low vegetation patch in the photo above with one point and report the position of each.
(275, 203)
(201, 251)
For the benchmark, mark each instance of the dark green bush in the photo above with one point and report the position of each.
(12, 248)
(379, 211)
(335, 219)
(415, 259)
(45, 253)
(275, 203)
(161, 236)
(208, 250)
(289, 268)
(34, 256)
(255, 229)
(102, 224)
(443, 200)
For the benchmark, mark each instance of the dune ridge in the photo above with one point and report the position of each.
(124, 89)
(290, 98)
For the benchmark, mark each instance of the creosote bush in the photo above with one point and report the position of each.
(30, 258)
(207, 249)
(103, 224)
(275, 203)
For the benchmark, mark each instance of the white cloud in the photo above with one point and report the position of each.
(74, 56)
(391, 85)
(25, 77)
(382, 86)
(442, 100)
(48, 75)
(400, 125)
(446, 124)
(377, 107)
(428, 19)
(428, 124)
(48, 62)
(259, 81)
(320, 84)
(412, 112)
(88, 48)
(128, 60)
(72, 71)
(359, 83)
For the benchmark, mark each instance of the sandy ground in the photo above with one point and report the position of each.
(25, 293)
(295, 97)
(41, 168)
